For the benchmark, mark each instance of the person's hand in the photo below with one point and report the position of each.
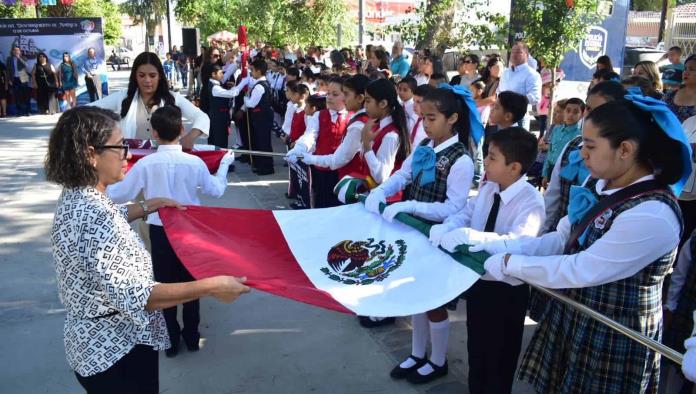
(293, 155)
(228, 288)
(492, 247)
(228, 158)
(436, 233)
(689, 362)
(545, 182)
(456, 237)
(394, 209)
(367, 135)
(374, 200)
(188, 140)
(309, 159)
(156, 203)
(494, 266)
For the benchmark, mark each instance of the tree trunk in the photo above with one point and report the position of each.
(431, 26)
(549, 117)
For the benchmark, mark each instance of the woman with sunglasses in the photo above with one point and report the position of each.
(468, 71)
(114, 324)
(148, 90)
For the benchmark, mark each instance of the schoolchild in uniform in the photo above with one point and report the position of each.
(611, 253)
(440, 171)
(508, 109)
(297, 94)
(324, 133)
(177, 175)
(219, 108)
(405, 88)
(258, 103)
(415, 126)
(322, 82)
(506, 207)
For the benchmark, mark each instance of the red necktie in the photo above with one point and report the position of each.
(415, 130)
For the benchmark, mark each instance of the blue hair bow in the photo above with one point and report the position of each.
(474, 117)
(670, 125)
(423, 161)
(575, 171)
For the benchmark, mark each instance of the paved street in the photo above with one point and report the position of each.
(260, 344)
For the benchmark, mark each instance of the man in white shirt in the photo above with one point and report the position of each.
(521, 78)
(177, 175)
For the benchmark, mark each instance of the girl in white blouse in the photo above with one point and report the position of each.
(114, 323)
(148, 90)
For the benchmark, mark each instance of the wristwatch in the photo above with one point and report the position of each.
(146, 210)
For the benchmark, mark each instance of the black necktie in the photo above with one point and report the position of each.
(493, 214)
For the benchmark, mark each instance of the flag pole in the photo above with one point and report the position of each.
(258, 153)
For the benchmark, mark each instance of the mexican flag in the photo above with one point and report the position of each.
(344, 258)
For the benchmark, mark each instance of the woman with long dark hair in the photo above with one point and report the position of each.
(45, 82)
(148, 90)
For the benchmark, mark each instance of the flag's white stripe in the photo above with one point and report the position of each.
(427, 279)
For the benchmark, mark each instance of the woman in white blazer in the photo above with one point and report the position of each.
(148, 90)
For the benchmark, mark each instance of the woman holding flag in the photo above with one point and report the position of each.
(612, 253)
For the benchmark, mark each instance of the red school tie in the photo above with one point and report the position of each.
(415, 130)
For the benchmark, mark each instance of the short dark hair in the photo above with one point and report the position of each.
(167, 122)
(293, 71)
(67, 162)
(513, 103)
(357, 83)
(517, 145)
(576, 101)
(411, 82)
(606, 75)
(260, 65)
(610, 90)
(422, 90)
(317, 102)
(439, 77)
(676, 49)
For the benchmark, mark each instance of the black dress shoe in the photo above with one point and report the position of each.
(289, 197)
(400, 373)
(298, 205)
(438, 372)
(366, 322)
(172, 351)
(191, 341)
(230, 168)
(264, 172)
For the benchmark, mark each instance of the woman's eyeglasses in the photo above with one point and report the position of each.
(123, 146)
(467, 61)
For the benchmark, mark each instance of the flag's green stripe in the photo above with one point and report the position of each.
(474, 260)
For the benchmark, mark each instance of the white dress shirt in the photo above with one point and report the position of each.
(521, 213)
(637, 237)
(307, 142)
(287, 119)
(382, 163)
(230, 71)
(681, 270)
(458, 183)
(420, 133)
(252, 99)
(408, 108)
(522, 79)
(422, 79)
(345, 152)
(219, 91)
(170, 173)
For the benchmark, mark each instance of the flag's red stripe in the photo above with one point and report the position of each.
(211, 158)
(241, 242)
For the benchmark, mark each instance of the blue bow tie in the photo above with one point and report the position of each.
(581, 201)
(423, 162)
(575, 171)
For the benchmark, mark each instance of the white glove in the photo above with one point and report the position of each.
(308, 158)
(454, 238)
(437, 231)
(392, 210)
(374, 199)
(494, 266)
(689, 363)
(292, 155)
(228, 158)
(492, 247)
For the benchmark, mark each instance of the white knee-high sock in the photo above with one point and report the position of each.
(439, 336)
(419, 338)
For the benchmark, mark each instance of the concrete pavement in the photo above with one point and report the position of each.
(259, 344)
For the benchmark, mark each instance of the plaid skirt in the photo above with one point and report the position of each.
(572, 353)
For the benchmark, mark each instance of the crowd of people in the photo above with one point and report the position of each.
(616, 212)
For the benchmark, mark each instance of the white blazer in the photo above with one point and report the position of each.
(200, 120)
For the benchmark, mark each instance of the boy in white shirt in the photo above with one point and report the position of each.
(506, 207)
(177, 175)
(405, 89)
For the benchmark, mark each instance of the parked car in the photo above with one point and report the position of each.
(120, 56)
(634, 55)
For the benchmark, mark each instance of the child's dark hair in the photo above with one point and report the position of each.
(260, 65)
(410, 82)
(606, 75)
(517, 145)
(323, 78)
(293, 71)
(336, 79)
(298, 87)
(576, 101)
(382, 89)
(308, 74)
(167, 122)
(215, 68)
(621, 120)
(478, 84)
(357, 83)
(513, 103)
(438, 78)
(448, 103)
(422, 90)
(645, 85)
(317, 101)
(610, 90)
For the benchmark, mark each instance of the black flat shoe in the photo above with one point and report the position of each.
(401, 373)
(297, 205)
(366, 322)
(192, 342)
(416, 378)
(172, 351)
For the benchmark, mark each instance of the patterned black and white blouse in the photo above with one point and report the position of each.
(104, 280)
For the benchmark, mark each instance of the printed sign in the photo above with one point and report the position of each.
(593, 46)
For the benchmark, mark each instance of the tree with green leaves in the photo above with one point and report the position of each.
(93, 8)
(651, 5)
(551, 28)
(147, 12)
(442, 24)
(276, 22)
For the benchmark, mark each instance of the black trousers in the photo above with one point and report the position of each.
(219, 124)
(688, 209)
(323, 183)
(91, 90)
(495, 324)
(168, 269)
(137, 373)
(261, 141)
